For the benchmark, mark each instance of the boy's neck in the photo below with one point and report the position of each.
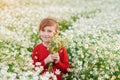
(46, 44)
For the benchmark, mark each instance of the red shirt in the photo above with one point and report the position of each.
(40, 52)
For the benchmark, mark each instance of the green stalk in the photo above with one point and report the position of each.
(50, 67)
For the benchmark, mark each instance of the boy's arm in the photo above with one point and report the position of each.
(63, 64)
(36, 59)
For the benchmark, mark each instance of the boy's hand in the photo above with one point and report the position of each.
(56, 57)
(48, 59)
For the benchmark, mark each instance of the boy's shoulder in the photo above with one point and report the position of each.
(63, 48)
(38, 45)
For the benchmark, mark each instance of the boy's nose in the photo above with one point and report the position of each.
(46, 33)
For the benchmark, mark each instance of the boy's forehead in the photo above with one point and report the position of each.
(50, 27)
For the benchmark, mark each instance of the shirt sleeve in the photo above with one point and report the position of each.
(63, 64)
(35, 58)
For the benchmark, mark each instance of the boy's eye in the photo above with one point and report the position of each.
(43, 30)
(49, 31)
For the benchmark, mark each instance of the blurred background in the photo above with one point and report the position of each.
(92, 29)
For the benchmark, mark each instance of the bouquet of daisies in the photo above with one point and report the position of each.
(55, 45)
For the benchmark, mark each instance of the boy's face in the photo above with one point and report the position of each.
(47, 33)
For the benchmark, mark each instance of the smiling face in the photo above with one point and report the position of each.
(47, 29)
(47, 33)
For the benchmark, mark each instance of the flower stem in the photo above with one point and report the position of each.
(50, 67)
